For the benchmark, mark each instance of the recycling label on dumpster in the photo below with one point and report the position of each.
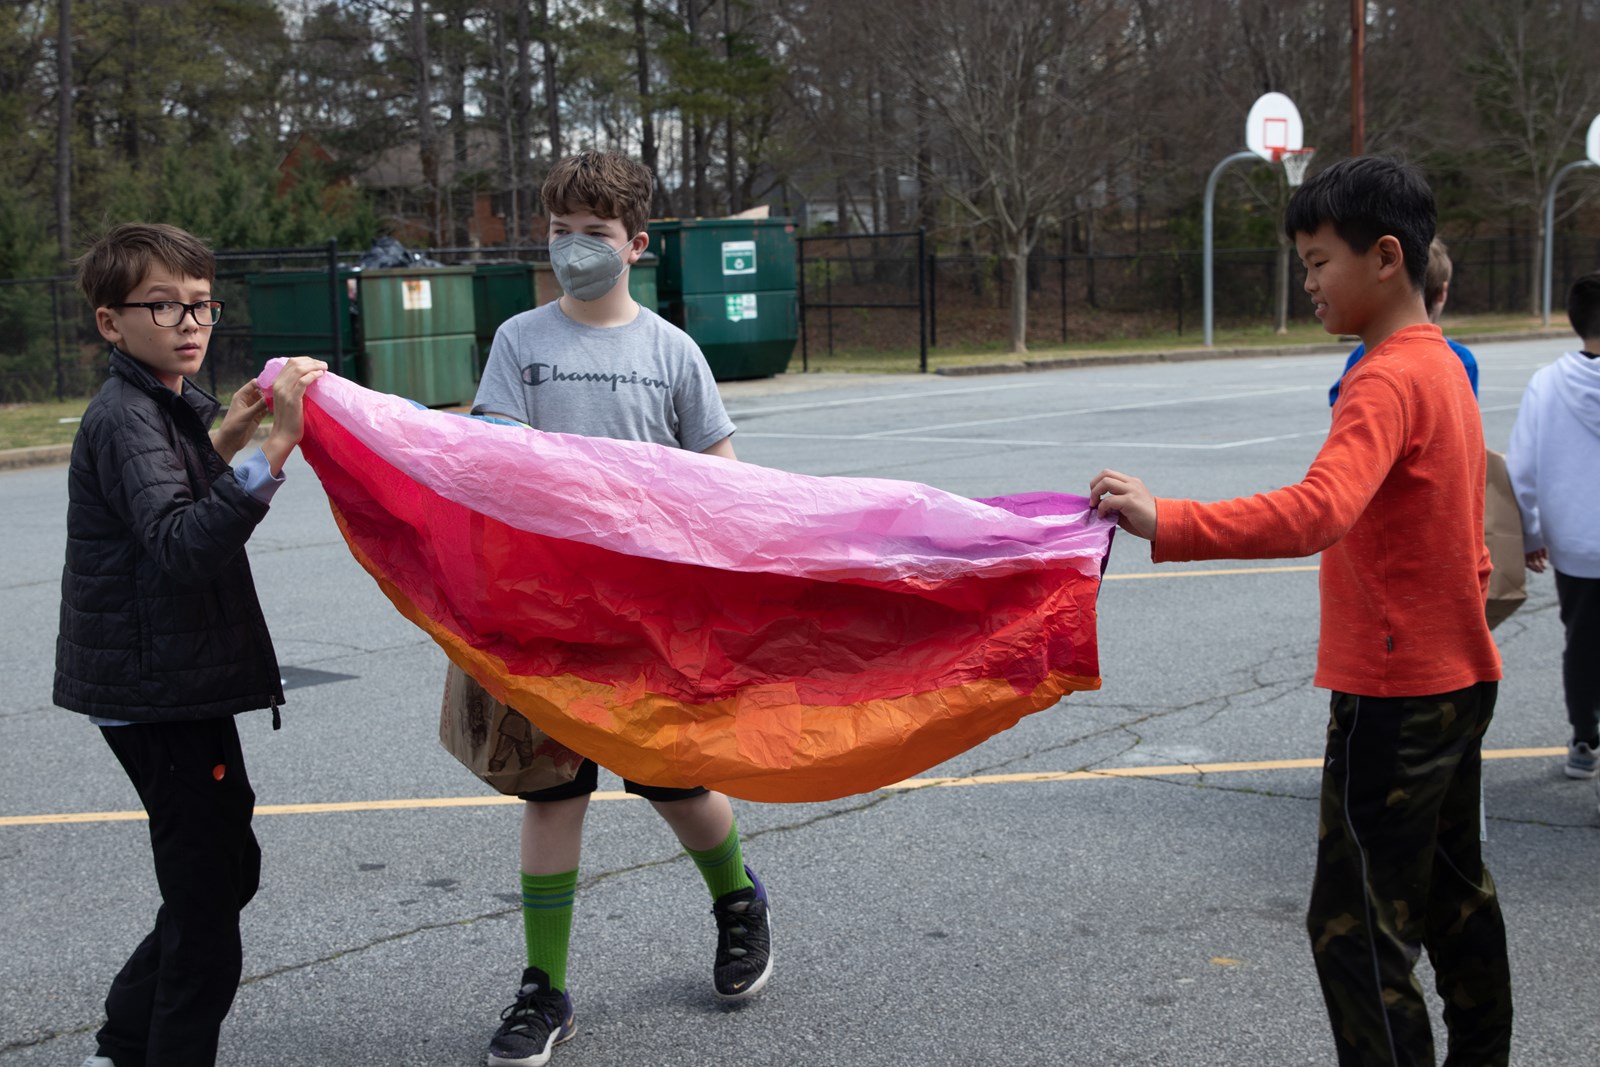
(738, 257)
(741, 306)
(416, 294)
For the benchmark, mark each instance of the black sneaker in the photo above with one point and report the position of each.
(540, 1020)
(744, 941)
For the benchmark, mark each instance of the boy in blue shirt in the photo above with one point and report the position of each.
(162, 639)
(1435, 291)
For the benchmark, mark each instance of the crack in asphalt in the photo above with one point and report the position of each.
(55, 581)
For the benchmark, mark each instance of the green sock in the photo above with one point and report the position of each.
(547, 922)
(722, 867)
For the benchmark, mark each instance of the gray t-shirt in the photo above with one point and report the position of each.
(646, 381)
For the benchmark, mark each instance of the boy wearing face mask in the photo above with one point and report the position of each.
(596, 363)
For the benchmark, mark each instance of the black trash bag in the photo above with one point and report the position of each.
(386, 253)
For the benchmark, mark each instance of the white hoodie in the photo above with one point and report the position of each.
(1554, 462)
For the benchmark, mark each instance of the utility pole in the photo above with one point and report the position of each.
(1358, 77)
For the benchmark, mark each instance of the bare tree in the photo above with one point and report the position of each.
(649, 154)
(1531, 70)
(1027, 91)
(548, 31)
(427, 131)
(512, 79)
(64, 129)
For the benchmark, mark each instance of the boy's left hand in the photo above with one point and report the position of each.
(288, 408)
(239, 423)
(1123, 495)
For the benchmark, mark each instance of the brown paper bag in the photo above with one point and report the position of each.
(1502, 532)
(496, 743)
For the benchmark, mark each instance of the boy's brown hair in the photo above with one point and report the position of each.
(1437, 276)
(115, 264)
(606, 183)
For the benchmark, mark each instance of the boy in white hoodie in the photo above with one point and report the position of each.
(1552, 459)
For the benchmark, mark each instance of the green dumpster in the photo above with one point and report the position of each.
(499, 291)
(730, 285)
(419, 333)
(289, 315)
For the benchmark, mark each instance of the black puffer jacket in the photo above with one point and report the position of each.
(159, 616)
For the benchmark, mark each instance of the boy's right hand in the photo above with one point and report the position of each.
(1122, 495)
(288, 409)
(1536, 560)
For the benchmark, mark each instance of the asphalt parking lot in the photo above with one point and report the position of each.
(1043, 911)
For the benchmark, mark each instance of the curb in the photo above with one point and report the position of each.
(12, 459)
(16, 459)
(1189, 355)
(1113, 359)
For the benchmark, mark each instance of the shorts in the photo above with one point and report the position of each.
(587, 780)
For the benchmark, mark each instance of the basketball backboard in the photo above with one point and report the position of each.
(1592, 145)
(1273, 127)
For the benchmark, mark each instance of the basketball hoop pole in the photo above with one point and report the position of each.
(1209, 226)
(1272, 128)
(1550, 229)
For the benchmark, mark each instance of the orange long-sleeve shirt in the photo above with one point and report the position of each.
(1394, 502)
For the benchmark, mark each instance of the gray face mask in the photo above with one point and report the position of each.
(586, 266)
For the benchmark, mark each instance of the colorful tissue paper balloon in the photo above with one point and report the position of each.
(686, 620)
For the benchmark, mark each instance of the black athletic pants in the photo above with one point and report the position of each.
(1580, 663)
(166, 1006)
(1400, 871)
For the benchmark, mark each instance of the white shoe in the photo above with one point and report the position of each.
(1582, 761)
(98, 1061)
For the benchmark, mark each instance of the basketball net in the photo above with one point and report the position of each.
(1295, 162)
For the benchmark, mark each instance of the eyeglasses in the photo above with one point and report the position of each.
(171, 312)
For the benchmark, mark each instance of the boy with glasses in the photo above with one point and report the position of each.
(162, 639)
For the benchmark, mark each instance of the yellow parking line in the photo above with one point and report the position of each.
(1288, 569)
(1177, 769)
(914, 783)
(1104, 773)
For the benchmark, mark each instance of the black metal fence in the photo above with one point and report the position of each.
(873, 293)
(50, 348)
(858, 294)
(879, 272)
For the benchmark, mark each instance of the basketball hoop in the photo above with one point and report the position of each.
(1295, 161)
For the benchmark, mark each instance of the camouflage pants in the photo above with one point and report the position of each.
(1399, 869)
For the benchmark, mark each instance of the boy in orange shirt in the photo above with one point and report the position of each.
(1394, 501)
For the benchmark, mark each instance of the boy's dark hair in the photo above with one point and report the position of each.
(606, 183)
(115, 264)
(1583, 306)
(1365, 198)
